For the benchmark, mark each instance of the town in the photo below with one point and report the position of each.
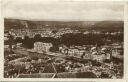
(62, 53)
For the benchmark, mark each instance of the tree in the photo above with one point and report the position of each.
(10, 41)
(28, 42)
(37, 37)
(18, 40)
(54, 31)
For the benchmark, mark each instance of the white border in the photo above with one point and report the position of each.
(1, 41)
(74, 79)
(126, 40)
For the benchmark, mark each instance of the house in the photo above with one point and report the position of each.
(42, 47)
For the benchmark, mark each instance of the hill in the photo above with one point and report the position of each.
(83, 25)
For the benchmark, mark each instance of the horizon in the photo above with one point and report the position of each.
(34, 20)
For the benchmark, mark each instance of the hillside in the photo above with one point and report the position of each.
(84, 25)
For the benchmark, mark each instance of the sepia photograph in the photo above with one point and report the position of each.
(63, 39)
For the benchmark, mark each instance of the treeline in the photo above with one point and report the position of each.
(90, 39)
(70, 39)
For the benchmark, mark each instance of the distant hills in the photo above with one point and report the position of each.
(82, 25)
(109, 26)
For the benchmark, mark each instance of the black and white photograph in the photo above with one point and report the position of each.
(63, 39)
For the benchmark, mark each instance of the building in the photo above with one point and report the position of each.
(117, 53)
(42, 47)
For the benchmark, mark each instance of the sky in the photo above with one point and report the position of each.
(63, 10)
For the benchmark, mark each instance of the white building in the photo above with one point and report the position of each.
(98, 57)
(42, 47)
(18, 45)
